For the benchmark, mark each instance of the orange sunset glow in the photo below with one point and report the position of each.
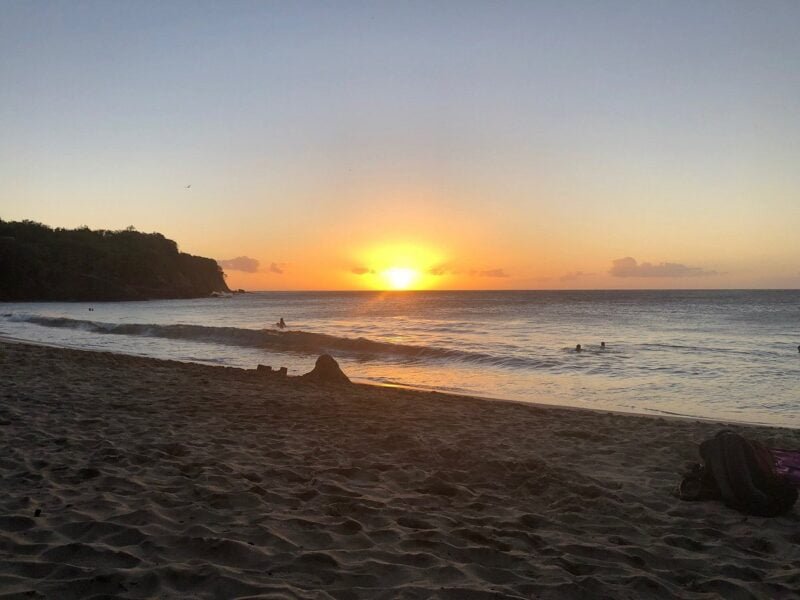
(625, 154)
(396, 267)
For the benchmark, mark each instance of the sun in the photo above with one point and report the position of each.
(400, 278)
(397, 266)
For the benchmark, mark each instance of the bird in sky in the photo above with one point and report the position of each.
(188, 186)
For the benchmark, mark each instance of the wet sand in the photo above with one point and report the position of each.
(126, 477)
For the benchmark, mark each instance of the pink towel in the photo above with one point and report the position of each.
(787, 464)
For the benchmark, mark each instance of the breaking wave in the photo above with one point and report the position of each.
(300, 342)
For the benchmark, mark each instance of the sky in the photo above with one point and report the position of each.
(446, 145)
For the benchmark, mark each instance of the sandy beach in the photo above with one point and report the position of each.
(126, 477)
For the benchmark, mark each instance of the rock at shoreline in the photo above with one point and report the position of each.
(326, 370)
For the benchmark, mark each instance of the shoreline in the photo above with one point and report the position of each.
(133, 477)
(546, 405)
(423, 390)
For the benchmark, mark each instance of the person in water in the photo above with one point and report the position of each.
(578, 348)
(603, 345)
(281, 324)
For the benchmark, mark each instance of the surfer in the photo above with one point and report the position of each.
(578, 348)
(281, 324)
(603, 345)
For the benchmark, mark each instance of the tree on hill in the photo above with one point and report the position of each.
(40, 263)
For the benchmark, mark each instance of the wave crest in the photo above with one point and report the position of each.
(301, 342)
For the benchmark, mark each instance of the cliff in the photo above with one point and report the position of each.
(40, 263)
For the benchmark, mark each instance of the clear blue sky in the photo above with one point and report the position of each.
(543, 139)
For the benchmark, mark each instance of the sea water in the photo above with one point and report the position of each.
(730, 355)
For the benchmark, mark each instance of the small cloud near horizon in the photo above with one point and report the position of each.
(446, 270)
(278, 268)
(240, 263)
(490, 273)
(628, 267)
(441, 271)
(573, 275)
(245, 264)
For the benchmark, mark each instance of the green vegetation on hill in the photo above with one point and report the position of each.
(40, 263)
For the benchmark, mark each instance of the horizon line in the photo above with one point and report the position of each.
(795, 289)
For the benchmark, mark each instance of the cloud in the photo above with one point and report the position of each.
(277, 268)
(628, 267)
(447, 270)
(442, 270)
(250, 265)
(490, 273)
(573, 275)
(240, 263)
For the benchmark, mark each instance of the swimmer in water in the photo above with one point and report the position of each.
(603, 345)
(578, 348)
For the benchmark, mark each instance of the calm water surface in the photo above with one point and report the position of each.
(716, 354)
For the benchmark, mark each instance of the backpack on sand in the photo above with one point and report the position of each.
(742, 474)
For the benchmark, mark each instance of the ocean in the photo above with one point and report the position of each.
(728, 355)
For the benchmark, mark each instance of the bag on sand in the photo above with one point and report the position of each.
(742, 474)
